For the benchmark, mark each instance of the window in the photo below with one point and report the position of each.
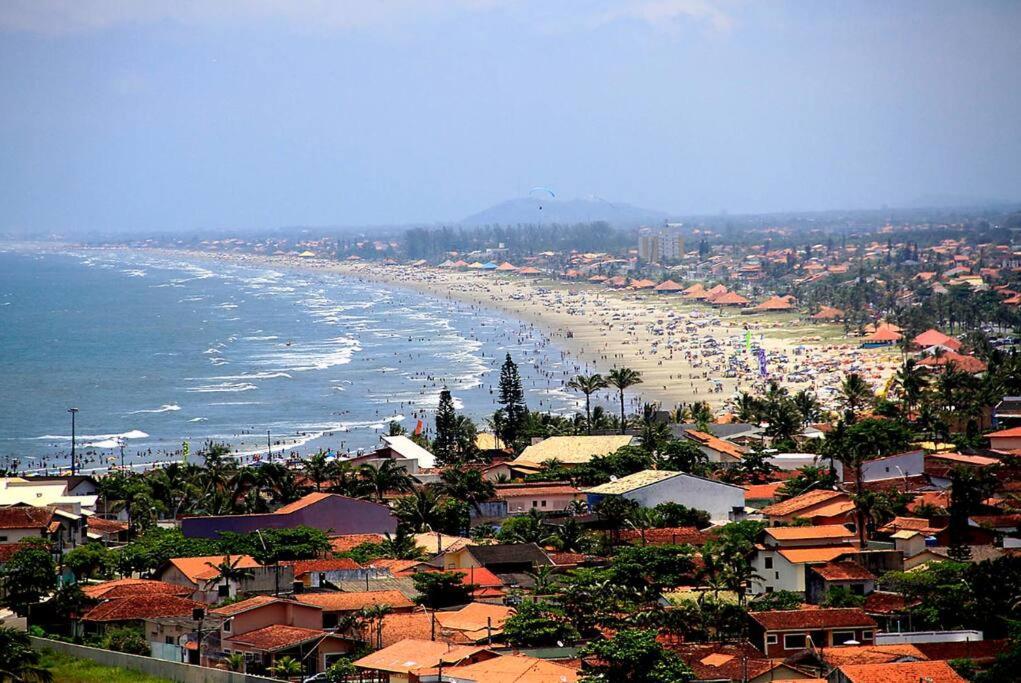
(793, 641)
(769, 589)
(330, 620)
(544, 503)
(535, 503)
(769, 563)
(866, 635)
(169, 640)
(771, 639)
(841, 637)
(227, 624)
(3, 539)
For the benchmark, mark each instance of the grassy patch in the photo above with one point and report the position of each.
(67, 669)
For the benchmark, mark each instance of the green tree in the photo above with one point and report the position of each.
(528, 528)
(632, 656)
(468, 486)
(19, 663)
(400, 546)
(28, 576)
(842, 596)
(441, 589)
(683, 456)
(445, 441)
(855, 393)
(388, 476)
(341, 671)
(622, 379)
(777, 600)
(539, 624)
(317, 469)
(126, 639)
(588, 385)
(287, 668)
(677, 515)
(512, 400)
(89, 561)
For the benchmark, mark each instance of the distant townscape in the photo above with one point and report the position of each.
(792, 456)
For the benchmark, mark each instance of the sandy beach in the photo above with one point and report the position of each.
(685, 351)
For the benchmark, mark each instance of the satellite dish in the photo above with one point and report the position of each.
(613, 477)
(183, 640)
(851, 642)
(560, 643)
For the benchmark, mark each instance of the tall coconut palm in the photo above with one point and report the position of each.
(317, 469)
(468, 486)
(420, 511)
(911, 382)
(643, 518)
(375, 614)
(227, 571)
(588, 385)
(389, 476)
(855, 393)
(621, 379)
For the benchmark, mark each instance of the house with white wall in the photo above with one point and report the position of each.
(724, 502)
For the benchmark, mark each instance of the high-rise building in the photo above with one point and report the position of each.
(659, 248)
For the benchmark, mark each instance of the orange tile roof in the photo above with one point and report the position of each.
(807, 533)
(414, 625)
(276, 637)
(407, 656)
(715, 443)
(762, 491)
(515, 668)
(978, 460)
(245, 605)
(901, 672)
(123, 588)
(200, 569)
(342, 544)
(106, 526)
(804, 501)
(870, 654)
(303, 502)
(475, 616)
(350, 602)
(138, 607)
(811, 555)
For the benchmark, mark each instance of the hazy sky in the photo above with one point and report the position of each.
(204, 113)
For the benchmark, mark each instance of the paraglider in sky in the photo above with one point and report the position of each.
(541, 192)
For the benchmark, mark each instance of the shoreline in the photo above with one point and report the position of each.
(686, 352)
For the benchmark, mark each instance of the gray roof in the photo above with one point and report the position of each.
(720, 431)
(509, 553)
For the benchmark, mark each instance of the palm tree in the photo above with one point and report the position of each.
(644, 518)
(588, 385)
(419, 511)
(746, 407)
(530, 528)
(19, 663)
(277, 480)
(345, 480)
(400, 546)
(544, 578)
(389, 476)
(621, 379)
(808, 406)
(286, 668)
(569, 537)
(317, 469)
(235, 661)
(228, 571)
(377, 613)
(468, 486)
(911, 383)
(855, 393)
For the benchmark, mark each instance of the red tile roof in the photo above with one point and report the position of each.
(141, 607)
(342, 544)
(352, 602)
(789, 620)
(807, 500)
(844, 571)
(106, 526)
(810, 533)
(678, 535)
(302, 567)
(25, 517)
(722, 661)
(901, 672)
(276, 637)
(245, 605)
(125, 588)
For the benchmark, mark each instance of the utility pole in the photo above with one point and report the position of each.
(73, 411)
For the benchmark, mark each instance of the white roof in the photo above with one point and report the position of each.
(407, 448)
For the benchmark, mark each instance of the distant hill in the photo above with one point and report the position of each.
(566, 211)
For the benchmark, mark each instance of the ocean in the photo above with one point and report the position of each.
(159, 349)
